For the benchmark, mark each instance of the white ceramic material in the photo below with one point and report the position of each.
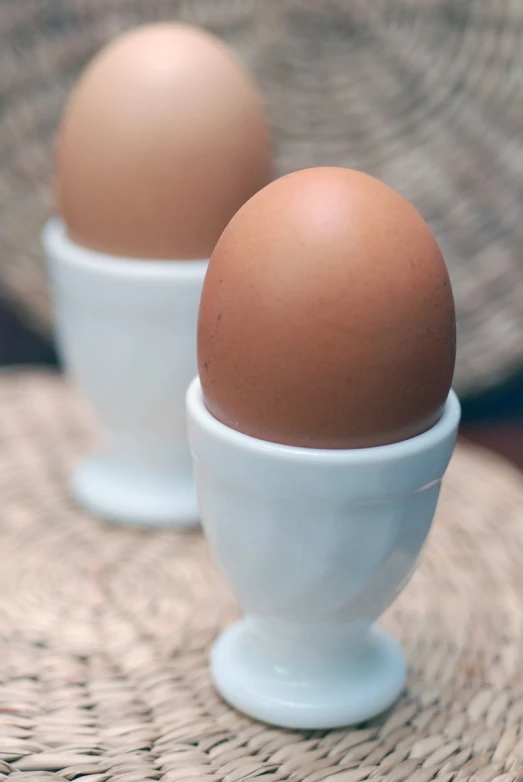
(315, 544)
(126, 330)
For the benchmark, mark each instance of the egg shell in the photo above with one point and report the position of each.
(327, 316)
(162, 140)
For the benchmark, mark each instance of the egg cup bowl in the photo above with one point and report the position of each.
(126, 330)
(315, 545)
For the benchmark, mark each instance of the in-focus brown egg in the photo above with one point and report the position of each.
(163, 139)
(327, 316)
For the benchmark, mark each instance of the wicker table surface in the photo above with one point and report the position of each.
(105, 632)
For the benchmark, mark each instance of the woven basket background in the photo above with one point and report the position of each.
(426, 94)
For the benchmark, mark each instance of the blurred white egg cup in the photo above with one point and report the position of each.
(315, 545)
(126, 330)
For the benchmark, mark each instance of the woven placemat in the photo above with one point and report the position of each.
(105, 633)
(426, 94)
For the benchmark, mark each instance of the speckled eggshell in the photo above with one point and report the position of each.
(327, 316)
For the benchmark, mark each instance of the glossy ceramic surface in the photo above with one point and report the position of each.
(126, 330)
(315, 545)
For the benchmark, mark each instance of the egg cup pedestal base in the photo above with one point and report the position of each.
(131, 494)
(347, 690)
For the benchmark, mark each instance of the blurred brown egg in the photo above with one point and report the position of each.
(327, 316)
(163, 139)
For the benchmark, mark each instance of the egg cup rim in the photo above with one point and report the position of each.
(444, 428)
(56, 242)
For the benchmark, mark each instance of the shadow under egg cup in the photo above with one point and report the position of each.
(126, 330)
(315, 545)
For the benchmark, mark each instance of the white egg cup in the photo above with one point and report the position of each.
(126, 330)
(315, 545)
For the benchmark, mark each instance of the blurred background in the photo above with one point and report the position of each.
(425, 94)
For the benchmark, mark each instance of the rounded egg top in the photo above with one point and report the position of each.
(327, 316)
(163, 139)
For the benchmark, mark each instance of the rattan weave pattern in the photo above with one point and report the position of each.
(426, 94)
(104, 634)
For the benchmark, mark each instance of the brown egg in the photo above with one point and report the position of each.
(327, 317)
(163, 139)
